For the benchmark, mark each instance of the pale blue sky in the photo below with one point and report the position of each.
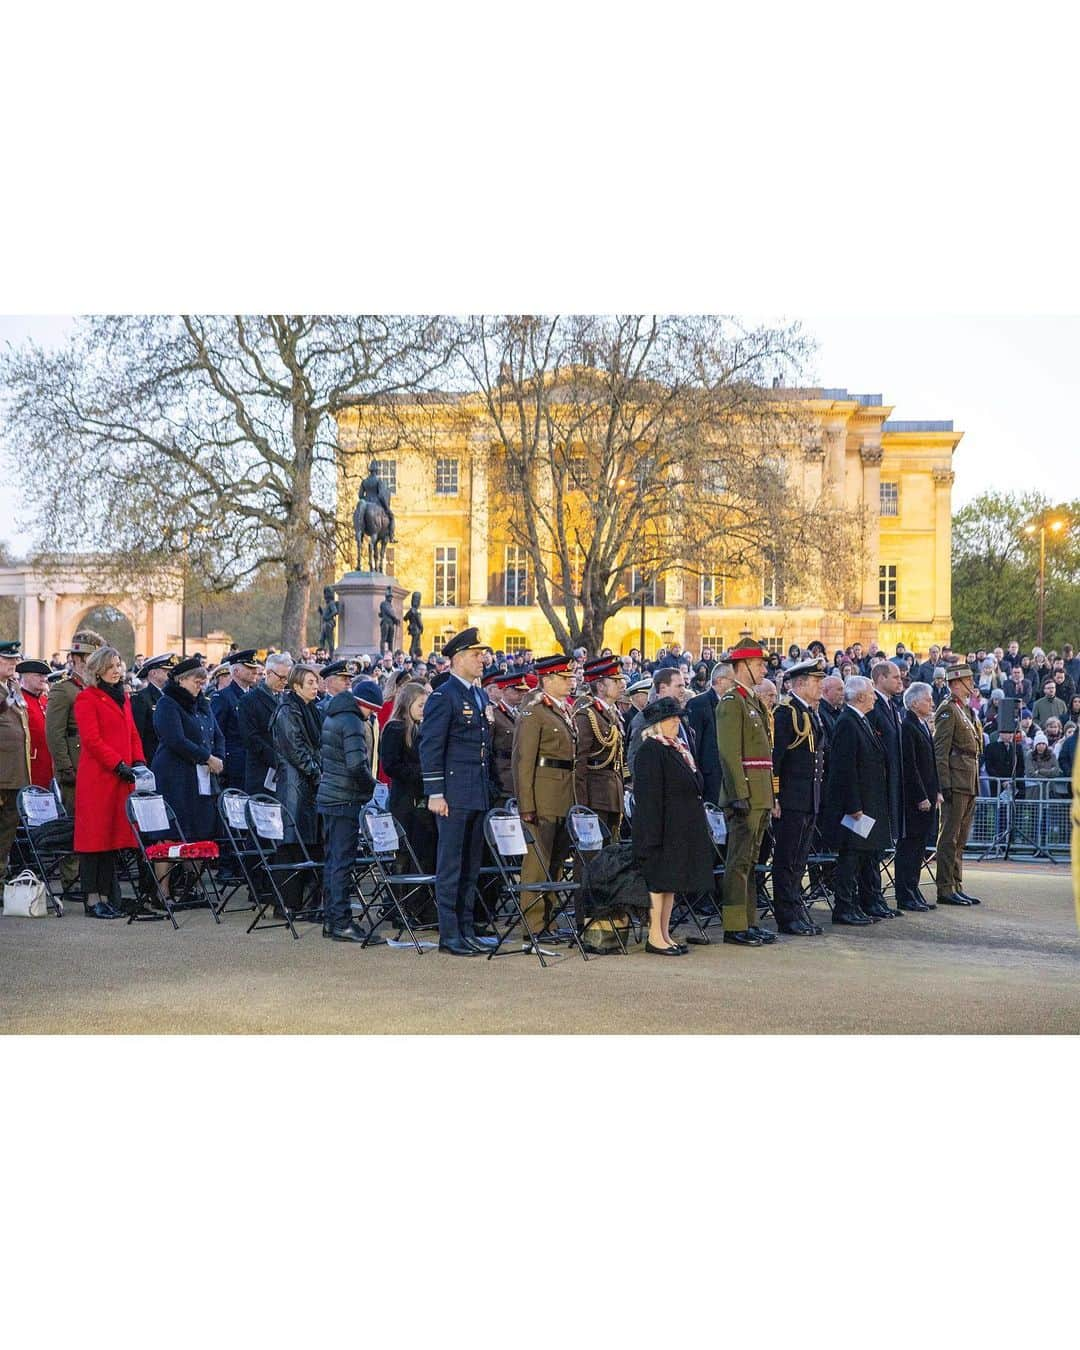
(1005, 382)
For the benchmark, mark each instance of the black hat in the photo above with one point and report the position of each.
(552, 665)
(33, 668)
(349, 668)
(57, 675)
(814, 666)
(603, 668)
(661, 710)
(437, 681)
(186, 666)
(12, 650)
(466, 641)
(244, 658)
(505, 679)
(368, 693)
(164, 662)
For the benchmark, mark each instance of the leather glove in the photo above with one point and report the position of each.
(529, 817)
(740, 807)
(139, 764)
(124, 772)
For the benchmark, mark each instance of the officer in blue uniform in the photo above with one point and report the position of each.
(224, 704)
(455, 755)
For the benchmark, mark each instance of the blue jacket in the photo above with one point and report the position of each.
(253, 716)
(225, 704)
(187, 736)
(455, 746)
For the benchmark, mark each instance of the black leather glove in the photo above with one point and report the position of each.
(740, 807)
(125, 772)
(139, 764)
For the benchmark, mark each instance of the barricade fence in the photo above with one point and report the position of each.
(1022, 818)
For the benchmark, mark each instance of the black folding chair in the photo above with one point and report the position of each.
(820, 863)
(232, 808)
(162, 843)
(45, 838)
(274, 877)
(384, 841)
(703, 910)
(509, 838)
(589, 836)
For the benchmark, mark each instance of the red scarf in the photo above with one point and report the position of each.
(676, 744)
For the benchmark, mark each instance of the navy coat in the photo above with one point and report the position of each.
(225, 704)
(886, 720)
(253, 714)
(920, 777)
(701, 714)
(187, 736)
(455, 746)
(858, 781)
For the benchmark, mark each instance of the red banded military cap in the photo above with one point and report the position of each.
(505, 679)
(552, 665)
(603, 668)
(748, 654)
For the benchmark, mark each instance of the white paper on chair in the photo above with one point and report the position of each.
(508, 835)
(383, 834)
(39, 808)
(235, 812)
(270, 781)
(717, 825)
(587, 832)
(149, 814)
(203, 773)
(381, 796)
(266, 817)
(861, 827)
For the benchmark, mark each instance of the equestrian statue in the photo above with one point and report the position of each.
(373, 519)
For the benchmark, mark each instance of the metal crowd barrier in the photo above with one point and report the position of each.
(1021, 817)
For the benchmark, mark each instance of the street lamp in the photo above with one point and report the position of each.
(1055, 526)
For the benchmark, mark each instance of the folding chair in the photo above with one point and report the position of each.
(384, 839)
(45, 837)
(161, 840)
(267, 819)
(690, 906)
(588, 836)
(508, 838)
(815, 887)
(232, 808)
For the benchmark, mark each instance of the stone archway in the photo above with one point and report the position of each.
(115, 625)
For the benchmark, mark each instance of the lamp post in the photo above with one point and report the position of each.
(1056, 526)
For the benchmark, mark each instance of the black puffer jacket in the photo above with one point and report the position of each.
(346, 766)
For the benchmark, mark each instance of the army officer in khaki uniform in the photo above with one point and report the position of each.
(957, 744)
(543, 767)
(505, 689)
(598, 770)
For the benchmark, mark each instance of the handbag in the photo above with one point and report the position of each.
(25, 897)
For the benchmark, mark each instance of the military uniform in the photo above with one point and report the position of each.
(543, 762)
(957, 743)
(503, 722)
(798, 759)
(14, 764)
(224, 705)
(146, 700)
(744, 739)
(599, 757)
(41, 768)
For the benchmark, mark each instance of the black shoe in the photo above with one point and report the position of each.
(345, 932)
(877, 909)
(971, 899)
(911, 906)
(765, 934)
(955, 899)
(458, 947)
(483, 942)
(743, 939)
(664, 951)
(102, 910)
(798, 928)
(852, 916)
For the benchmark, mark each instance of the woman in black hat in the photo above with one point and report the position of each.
(670, 834)
(190, 754)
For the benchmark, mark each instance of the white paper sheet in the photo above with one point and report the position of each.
(717, 824)
(203, 773)
(861, 827)
(150, 814)
(508, 835)
(270, 781)
(381, 796)
(267, 819)
(587, 833)
(383, 834)
(40, 808)
(236, 812)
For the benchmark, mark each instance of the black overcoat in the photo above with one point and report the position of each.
(857, 782)
(669, 830)
(253, 715)
(188, 735)
(920, 777)
(886, 721)
(297, 732)
(701, 715)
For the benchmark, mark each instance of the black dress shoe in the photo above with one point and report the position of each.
(799, 928)
(877, 910)
(765, 934)
(971, 899)
(458, 947)
(955, 899)
(345, 932)
(911, 906)
(102, 910)
(744, 939)
(852, 916)
(664, 951)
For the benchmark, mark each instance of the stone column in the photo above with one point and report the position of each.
(478, 524)
(871, 501)
(835, 456)
(50, 636)
(943, 481)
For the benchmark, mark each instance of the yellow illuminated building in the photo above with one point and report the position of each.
(452, 548)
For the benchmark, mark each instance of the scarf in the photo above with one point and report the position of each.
(309, 715)
(115, 691)
(676, 744)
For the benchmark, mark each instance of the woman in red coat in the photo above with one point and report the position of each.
(110, 749)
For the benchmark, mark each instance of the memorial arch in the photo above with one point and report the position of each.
(54, 600)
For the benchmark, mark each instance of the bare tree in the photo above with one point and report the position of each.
(210, 437)
(640, 445)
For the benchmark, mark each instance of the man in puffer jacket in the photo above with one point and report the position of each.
(346, 785)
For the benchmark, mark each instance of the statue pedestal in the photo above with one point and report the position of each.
(360, 594)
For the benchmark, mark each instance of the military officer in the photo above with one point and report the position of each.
(14, 748)
(505, 690)
(798, 761)
(33, 685)
(543, 764)
(744, 739)
(156, 674)
(599, 757)
(62, 732)
(957, 742)
(455, 753)
(244, 671)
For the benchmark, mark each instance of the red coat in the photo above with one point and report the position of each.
(41, 770)
(108, 736)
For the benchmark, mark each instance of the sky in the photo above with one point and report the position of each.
(1003, 381)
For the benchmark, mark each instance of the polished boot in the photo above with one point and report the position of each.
(971, 899)
(101, 909)
(851, 915)
(955, 899)
(482, 941)
(912, 906)
(765, 934)
(798, 928)
(343, 932)
(458, 947)
(877, 909)
(743, 939)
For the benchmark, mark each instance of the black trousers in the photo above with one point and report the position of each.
(910, 852)
(857, 879)
(793, 833)
(97, 874)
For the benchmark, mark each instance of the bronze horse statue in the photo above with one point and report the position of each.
(373, 520)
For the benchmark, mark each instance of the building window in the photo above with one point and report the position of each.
(712, 476)
(889, 498)
(437, 643)
(446, 477)
(713, 640)
(579, 470)
(637, 580)
(445, 576)
(387, 471)
(517, 575)
(713, 587)
(887, 591)
(514, 642)
(772, 642)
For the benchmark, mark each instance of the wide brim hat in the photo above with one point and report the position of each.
(661, 710)
(468, 640)
(33, 668)
(959, 672)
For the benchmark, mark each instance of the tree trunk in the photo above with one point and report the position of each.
(299, 554)
(294, 612)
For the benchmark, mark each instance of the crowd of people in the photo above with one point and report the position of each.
(822, 766)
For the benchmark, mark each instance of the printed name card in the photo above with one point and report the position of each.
(267, 820)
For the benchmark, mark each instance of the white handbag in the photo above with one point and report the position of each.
(26, 897)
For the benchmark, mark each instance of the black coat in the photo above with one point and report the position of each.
(886, 719)
(701, 715)
(669, 830)
(253, 716)
(226, 703)
(920, 777)
(401, 764)
(801, 771)
(297, 733)
(347, 781)
(858, 781)
(187, 736)
(142, 710)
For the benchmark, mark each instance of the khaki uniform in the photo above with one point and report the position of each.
(62, 735)
(598, 763)
(745, 740)
(503, 722)
(957, 742)
(14, 766)
(543, 759)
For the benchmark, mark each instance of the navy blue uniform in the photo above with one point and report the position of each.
(225, 704)
(455, 755)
